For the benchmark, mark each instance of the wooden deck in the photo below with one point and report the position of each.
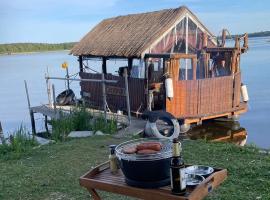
(135, 127)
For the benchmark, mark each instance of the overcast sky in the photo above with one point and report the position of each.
(68, 20)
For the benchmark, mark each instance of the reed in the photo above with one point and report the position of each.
(20, 142)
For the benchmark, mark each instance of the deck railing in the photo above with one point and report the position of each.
(193, 98)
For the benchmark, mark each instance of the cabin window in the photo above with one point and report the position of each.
(155, 70)
(185, 37)
(137, 70)
(185, 69)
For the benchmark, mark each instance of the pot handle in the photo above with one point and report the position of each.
(208, 184)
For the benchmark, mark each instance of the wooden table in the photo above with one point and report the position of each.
(101, 178)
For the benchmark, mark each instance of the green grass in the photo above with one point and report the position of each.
(80, 120)
(52, 171)
(21, 142)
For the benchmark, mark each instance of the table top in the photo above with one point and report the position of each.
(101, 178)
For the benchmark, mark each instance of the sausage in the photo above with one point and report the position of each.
(156, 146)
(130, 150)
(146, 151)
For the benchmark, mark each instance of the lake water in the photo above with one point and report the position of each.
(14, 69)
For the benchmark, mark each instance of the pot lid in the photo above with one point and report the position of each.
(165, 152)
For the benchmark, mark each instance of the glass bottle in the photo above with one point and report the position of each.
(113, 160)
(177, 170)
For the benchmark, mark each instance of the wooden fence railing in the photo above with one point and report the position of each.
(115, 92)
(193, 98)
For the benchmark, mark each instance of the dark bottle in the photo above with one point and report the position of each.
(178, 180)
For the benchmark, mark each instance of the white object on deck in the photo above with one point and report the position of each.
(80, 134)
(244, 93)
(42, 141)
(169, 87)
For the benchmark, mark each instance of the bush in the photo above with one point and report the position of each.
(80, 120)
(61, 128)
(21, 141)
(99, 124)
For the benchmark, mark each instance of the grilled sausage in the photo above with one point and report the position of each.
(156, 146)
(147, 151)
(130, 150)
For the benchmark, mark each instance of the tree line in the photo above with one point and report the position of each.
(34, 47)
(250, 35)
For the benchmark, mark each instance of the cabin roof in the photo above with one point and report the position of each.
(129, 35)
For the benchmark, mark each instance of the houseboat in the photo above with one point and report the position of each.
(176, 70)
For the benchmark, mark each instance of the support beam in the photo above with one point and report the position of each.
(81, 63)
(146, 83)
(130, 62)
(127, 95)
(104, 96)
(104, 65)
(194, 68)
(2, 138)
(32, 118)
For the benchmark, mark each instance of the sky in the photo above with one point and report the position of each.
(55, 21)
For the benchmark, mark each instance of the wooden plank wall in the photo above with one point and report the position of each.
(237, 89)
(193, 98)
(115, 92)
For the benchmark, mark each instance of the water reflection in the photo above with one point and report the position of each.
(219, 130)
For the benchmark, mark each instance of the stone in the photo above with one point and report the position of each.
(42, 141)
(80, 134)
(99, 133)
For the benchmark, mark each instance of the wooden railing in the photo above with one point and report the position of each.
(193, 98)
(115, 92)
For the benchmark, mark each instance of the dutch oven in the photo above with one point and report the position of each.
(148, 170)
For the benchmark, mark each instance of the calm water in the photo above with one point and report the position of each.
(32, 67)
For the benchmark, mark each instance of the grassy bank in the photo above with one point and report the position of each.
(34, 47)
(52, 172)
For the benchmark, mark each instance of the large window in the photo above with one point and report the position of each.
(174, 41)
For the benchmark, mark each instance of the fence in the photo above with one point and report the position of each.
(193, 98)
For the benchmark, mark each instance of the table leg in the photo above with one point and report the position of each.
(94, 194)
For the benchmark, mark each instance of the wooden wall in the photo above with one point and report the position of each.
(195, 98)
(115, 92)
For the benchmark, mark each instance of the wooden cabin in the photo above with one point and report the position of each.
(171, 43)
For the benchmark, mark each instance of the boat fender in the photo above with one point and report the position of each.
(169, 87)
(244, 93)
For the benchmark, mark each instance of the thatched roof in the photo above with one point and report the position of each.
(128, 36)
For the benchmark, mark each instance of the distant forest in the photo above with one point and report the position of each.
(37, 47)
(34, 47)
(250, 35)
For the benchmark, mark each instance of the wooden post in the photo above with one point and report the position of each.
(223, 38)
(127, 95)
(204, 40)
(194, 68)
(48, 87)
(2, 138)
(1, 129)
(130, 61)
(146, 83)
(104, 96)
(54, 99)
(81, 63)
(104, 66)
(46, 124)
(32, 117)
(67, 76)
